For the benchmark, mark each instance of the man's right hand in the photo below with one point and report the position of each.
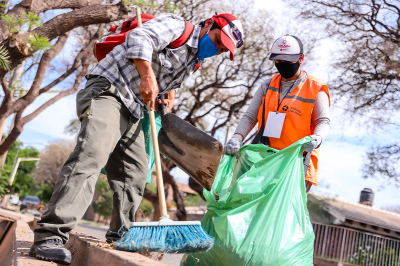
(148, 85)
(149, 90)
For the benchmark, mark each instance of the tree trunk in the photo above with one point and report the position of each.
(138, 215)
(157, 211)
(2, 161)
(196, 187)
(65, 22)
(10, 105)
(13, 84)
(180, 205)
(153, 198)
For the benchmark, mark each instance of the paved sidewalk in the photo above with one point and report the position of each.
(86, 250)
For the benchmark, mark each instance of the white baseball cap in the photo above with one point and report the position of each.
(287, 48)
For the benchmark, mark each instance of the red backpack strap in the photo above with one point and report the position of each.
(184, 37)
(131, 23)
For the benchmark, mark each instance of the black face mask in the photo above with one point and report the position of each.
(286, 69)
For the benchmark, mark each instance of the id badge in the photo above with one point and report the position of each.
(274, 125)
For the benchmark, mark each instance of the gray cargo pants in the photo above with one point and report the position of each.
(109, 136)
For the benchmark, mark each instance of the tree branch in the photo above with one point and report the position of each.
(14, 134)
(5, 87)
(63, 23)
(61, 95)
(84, 54)
(81, 17)
(3, 9)
(180, 205)
(42, 6)
(7, 100)
(153, 198)
(40, 75)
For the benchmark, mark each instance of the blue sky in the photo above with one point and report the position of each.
(341, 155)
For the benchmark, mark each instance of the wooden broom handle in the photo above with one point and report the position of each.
(153, 128)
(160, 184)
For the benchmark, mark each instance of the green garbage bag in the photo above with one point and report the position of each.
(257, 211)
(148, 140)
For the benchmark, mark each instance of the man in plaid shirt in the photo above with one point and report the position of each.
(110, 107)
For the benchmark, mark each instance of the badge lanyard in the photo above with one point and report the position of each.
(280, 90)
(274, 125)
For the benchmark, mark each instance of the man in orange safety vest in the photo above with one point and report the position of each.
(288, 107)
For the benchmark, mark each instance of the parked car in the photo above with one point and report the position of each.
(28, 200)
(13, 200)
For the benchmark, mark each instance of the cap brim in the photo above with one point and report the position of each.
(228, 44)
(285, 57)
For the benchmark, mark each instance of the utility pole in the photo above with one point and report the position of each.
(14, 172)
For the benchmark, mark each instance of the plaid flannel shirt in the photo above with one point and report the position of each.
(149, 42)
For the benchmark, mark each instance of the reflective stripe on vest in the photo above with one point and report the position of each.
(298, 106)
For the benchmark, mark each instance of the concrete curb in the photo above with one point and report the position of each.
(86, 250)
(14, 248)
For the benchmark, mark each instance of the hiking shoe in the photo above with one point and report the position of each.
(112, 237)
(51, 250)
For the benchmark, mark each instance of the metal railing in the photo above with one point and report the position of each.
(355, 247)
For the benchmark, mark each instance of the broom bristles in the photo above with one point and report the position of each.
(169, 239)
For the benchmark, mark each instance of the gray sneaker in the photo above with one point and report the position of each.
(51, 250)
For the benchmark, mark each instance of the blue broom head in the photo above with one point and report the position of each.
(169, 239)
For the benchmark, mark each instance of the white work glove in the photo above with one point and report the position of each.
(233, 146)
(310, 146)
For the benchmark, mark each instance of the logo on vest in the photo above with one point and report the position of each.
(285, 108)
(295, 111)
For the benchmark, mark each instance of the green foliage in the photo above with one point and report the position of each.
(39, 43)
(363, 256)
(193, 200)
(4, 58)
(32, 20)
(151, 187)
(171, 7)
(22, 185)
(387, 256)
(104, 204)
(138, 3)
(4, 187)
(23, 181)
(43, 191)
(12, 24)
(17, 87)
(2, 5)
(146, 207)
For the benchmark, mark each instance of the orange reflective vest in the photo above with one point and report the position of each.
(298, 106)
